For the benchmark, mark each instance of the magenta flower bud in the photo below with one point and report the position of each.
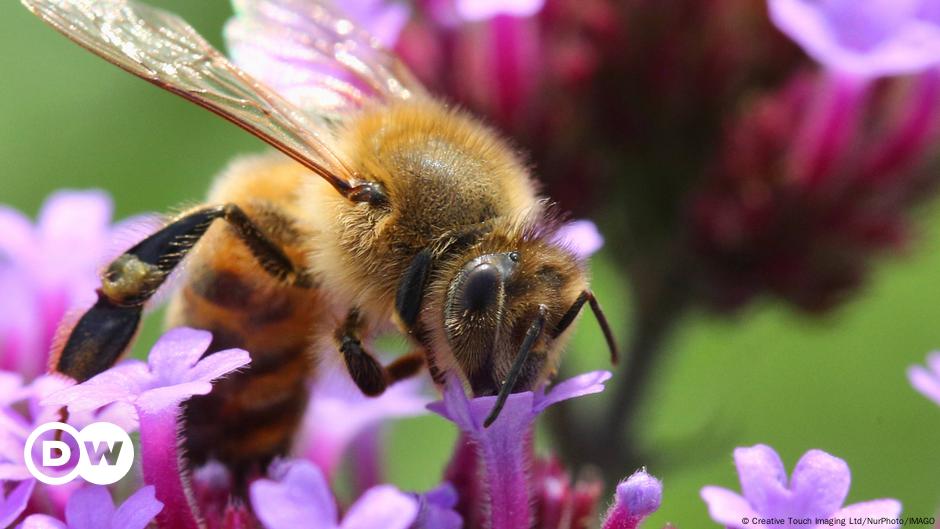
(561, 504)
(636, 498)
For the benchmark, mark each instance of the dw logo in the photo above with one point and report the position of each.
(101, 453)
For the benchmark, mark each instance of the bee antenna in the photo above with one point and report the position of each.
(535, 330)
(605, 328)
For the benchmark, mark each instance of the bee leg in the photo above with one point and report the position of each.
(369, 375)
(405, 366)
(103, 333)
(411, 289)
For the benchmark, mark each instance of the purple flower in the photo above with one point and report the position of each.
(300, 497)
(817, 489)
(478, 10)
(175, 371)
(636, 498)
(867, 38)
(339, 413)
(49, 268)
(21, 412)
(92, 508)
(581, 236)
(927, 381)
(13, 501)
(504, 448)
(436, 509)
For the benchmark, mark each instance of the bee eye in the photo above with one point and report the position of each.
(481, 287)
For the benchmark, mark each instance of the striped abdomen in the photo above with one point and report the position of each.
(251, 416)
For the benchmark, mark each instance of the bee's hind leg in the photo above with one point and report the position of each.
(369, 375)
(107, 329)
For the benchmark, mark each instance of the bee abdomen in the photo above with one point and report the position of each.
(251, 416)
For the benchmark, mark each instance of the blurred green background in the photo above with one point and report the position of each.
(768, 376)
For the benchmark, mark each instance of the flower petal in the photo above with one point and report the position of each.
(726, 507)
(478, 10)
(763, 477)
(300, 499)
(121, 383)
(89, 508)
(14, 503)
(455, 406)
(383, 506)
(339, 412)
(583, 384)
(436, 509)
(877, 509)
(819, 484)
(176, 351)
(74, 227)
(868, 38)
(18, 241)
(154, 400)
(581, 236)
(926, 382)
(41, 521)
(138, 510)
(218, 364)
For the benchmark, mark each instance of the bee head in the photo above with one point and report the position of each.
(506, 313)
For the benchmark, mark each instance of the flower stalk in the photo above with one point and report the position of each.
(163, 468)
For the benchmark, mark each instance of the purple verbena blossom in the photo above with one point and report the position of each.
(927, 380)
(477, 10)
(581, 236)
(50, 268)
(339, 413)
(867, 38)
(21, 411)
(563, 503)
(299, 497)
(636, 498)
(13, 500)
(504, 449)
(436, 509)
(817, 489)
(175, 371)
(92, 508)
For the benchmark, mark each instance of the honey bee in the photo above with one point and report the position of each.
(389, 209)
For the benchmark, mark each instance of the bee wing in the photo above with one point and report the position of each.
(316, 58)
(164, 50)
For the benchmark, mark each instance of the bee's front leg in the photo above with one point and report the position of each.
(369, 375)
(107, 329)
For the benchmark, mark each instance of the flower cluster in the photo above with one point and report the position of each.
(733, 149)
(790, 178)
(341, 424)
(703, 133)
(492, 483)
(815, 492)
